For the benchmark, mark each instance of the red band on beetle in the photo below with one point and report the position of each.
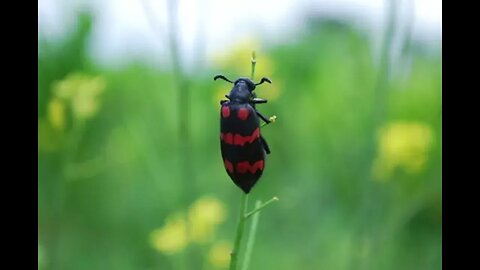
(228, 166)
(244, 167)
(227, 138)
(238, 139)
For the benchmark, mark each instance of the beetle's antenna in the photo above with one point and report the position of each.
(264, 79)
(221, 77)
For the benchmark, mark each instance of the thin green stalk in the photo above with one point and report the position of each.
(260, 207)
(244, 216)
(240, 228)
(254, 62)
(182, 86)
(251, 235)
(364, 232)
(243, 207)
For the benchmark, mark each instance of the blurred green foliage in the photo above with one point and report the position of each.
(353, 194)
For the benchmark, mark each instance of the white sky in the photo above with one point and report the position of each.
(123, 30)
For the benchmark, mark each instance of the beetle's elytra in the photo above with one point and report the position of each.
(242, 145)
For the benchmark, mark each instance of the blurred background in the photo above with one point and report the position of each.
(129, 164)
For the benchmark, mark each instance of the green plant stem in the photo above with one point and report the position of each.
(240, 228)
(251, 236)
(182, 86)
(244, 216)
(254, 62)
(258, 208)
(364, 233)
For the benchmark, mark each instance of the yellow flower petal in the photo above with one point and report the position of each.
(172, 238)
(82, 92)
(219, 255)
(402, 145)
(204, 216)
(56, 113)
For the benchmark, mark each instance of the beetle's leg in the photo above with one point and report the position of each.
(265, 145)
(258, 100)
(223, 101)
(263, 117)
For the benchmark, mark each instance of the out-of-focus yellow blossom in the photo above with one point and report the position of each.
(203, 217)
(56, 113)
(219, 255)
(171, 238)
(82, 92)
(402, 145)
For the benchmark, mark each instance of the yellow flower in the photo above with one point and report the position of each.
(82, 92)
(172, 238)
(56, 113)
(203, 217)
(66, 88)
(402, 145)
(219, 255)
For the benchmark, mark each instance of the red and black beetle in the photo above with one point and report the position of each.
(243, 147)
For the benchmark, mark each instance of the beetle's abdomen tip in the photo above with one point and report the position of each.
(246, 190)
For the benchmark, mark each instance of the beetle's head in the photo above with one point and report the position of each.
(245, 83)
(243, 88)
